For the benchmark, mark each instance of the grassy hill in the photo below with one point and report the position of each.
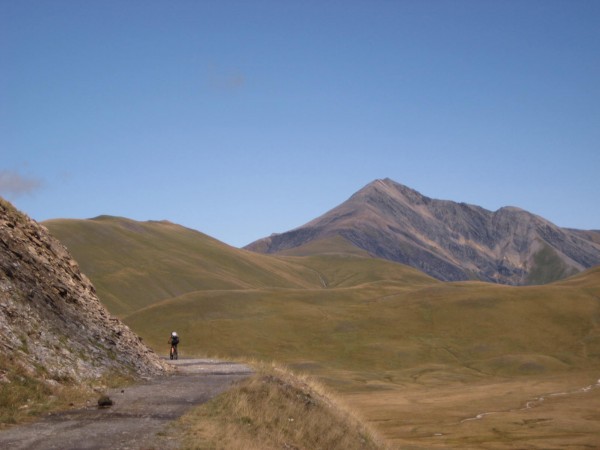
(382, 334)
(134, 264)
(434, 330)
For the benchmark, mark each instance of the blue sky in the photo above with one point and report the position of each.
(244, 118)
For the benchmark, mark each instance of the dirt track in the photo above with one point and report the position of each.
(138, 414)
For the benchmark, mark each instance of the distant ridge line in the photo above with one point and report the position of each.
(448, 240)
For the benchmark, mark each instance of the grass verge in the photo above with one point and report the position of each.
(25, 396)
(275, 409)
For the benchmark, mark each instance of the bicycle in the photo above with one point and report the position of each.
(174, 354)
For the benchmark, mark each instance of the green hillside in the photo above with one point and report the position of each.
(134, 264)
(376, 331)
(334, 310)
(442, 330)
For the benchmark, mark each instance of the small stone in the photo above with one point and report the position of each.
(105, 402)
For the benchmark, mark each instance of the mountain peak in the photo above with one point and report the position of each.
(387, 191)
(448, 240)
(388, 185)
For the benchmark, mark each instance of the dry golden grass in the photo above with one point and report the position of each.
(556, 411)
(276, 409)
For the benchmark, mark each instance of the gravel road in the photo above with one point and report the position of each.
(139, 416)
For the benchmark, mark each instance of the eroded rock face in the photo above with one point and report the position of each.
(51, 320)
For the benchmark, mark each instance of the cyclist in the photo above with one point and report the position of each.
(173, 341)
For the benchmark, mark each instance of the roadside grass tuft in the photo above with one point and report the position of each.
(25, 395)
(276, 409)
(21, 394)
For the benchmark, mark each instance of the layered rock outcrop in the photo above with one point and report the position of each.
(51, 320)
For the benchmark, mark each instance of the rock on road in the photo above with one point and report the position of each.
(138, 414)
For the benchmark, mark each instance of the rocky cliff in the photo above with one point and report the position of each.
(448, 240)
(51, 321)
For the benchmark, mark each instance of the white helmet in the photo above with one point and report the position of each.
(174, 333)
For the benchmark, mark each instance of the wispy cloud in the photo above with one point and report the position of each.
(225, 79)
(14, 184)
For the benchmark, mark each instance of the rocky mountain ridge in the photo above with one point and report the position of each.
(448, 240)
(52, 323)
